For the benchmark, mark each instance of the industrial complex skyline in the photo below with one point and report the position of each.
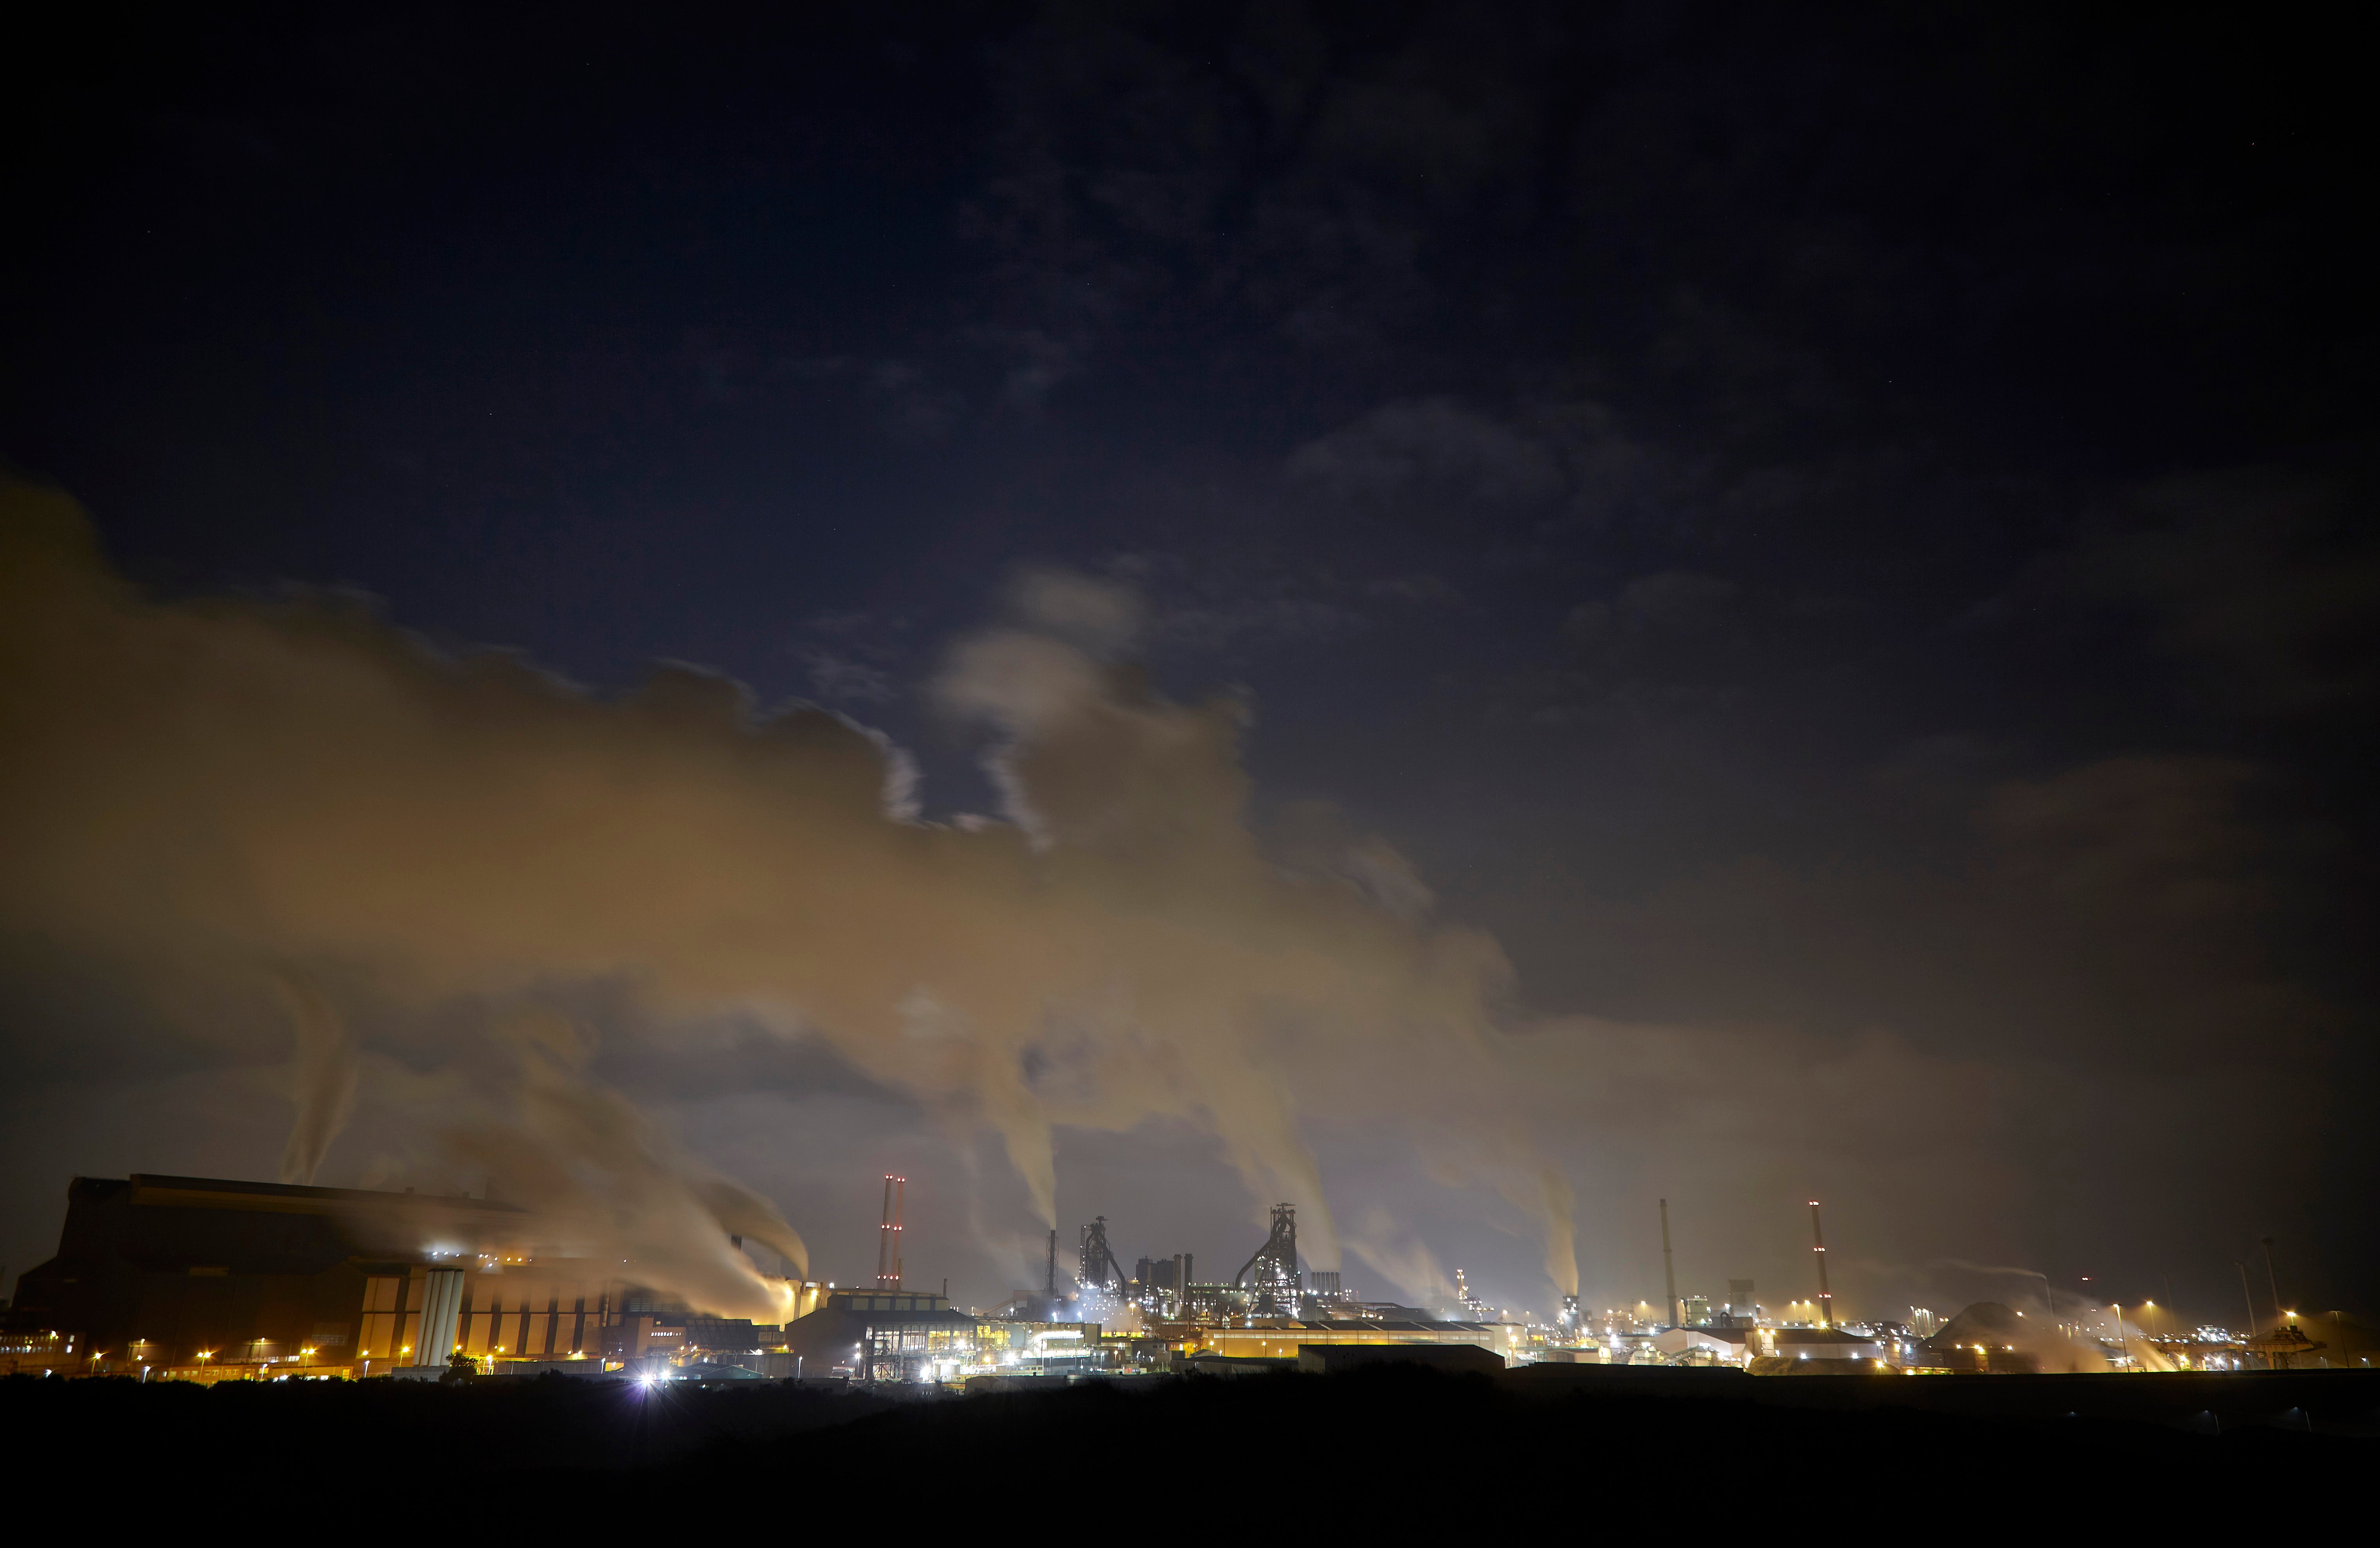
(209, 1280)
(1476, 650)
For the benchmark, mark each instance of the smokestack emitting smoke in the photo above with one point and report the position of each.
(218, 791)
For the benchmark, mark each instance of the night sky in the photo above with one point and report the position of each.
(1838, 535)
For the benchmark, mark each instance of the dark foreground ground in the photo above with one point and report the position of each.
(1386, 1454)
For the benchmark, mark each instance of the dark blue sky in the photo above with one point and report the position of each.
(1846, 526)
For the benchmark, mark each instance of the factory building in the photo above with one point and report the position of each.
(1726, 1345)
(1282, 1338)
(170, 1273)
(885, 1335)
(1168, 1275)
(1715, 1346)
(215, 1278)
(1988, 1338)
(1326, 1360)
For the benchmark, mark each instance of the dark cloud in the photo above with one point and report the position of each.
(839, 680)
(1435, 441)
(2265, 580)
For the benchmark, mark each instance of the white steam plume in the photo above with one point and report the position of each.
(1400, 1258)
(598, 1173)
(325, 1068)
(1555, 1198)
(224, 784)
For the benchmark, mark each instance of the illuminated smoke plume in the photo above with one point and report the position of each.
(1561, 1252)
(326, 1067)
(1489, 1149)
(1399, 1257)
(225, 789)
(611, 1187)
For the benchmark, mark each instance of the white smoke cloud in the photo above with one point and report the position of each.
(597, 1172)
(1401, 1257)
(326, 1068)
(208, 789)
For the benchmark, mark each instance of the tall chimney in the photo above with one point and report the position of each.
(900, 1186)
(1053, 1271)
(1669, 1268)
(1826, 1297)
(887, 1258)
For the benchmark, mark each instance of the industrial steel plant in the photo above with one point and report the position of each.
(206, 1279)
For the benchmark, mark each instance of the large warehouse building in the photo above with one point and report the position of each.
(196, 1274)
(1283, 1337)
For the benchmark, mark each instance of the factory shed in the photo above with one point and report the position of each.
(156, 1272)
(883, 1336)
(1987, 1322)
(1285, 1338)
(1331, 1360)
(1822, 1342)
(1229, 1366)
(1770, 1350)
(1727, 1345)
(1995, 1339)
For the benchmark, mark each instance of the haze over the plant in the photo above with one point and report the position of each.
(1468, 615)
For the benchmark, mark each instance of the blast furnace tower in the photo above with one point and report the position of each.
(1270, 1277)
(1098, 1269)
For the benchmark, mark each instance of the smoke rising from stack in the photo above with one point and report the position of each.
(217, 790)
(1399, 1257)
(326, 1067)
(613, 1188)
(1562, 1252)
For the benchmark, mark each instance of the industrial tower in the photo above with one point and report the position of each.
(887, 1236)
(1271, 1275)
(1669, 1270)
(1099, 1268)
(1825, 1296)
